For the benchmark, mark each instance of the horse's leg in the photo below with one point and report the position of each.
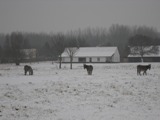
(145, 72)
(25, 72)
(91, 72)
(88, 72)
(29, 72)
(140, 73)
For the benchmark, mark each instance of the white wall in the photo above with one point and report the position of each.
(67, 59)
(75, 60)
(94, 59)
(116, 56)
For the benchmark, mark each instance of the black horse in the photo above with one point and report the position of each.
(29, 69)
(143, 68)
(89, 68)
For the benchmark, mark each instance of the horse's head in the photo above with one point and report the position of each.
(84, 66)
(149, 66)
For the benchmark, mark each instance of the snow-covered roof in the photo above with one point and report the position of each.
(93, 52)
(147, 55)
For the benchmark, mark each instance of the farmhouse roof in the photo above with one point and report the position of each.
(147, 54)
(93, 52)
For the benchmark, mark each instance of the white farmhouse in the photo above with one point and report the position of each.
(94, 55)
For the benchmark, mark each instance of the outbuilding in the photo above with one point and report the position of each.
(147, 57)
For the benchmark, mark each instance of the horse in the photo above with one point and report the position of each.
(89, 68)
(143, 68)
(29, 69)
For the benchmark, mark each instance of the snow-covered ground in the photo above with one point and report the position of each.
(113, 92)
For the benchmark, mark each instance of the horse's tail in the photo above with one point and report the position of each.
(91, 67)
(138, 70)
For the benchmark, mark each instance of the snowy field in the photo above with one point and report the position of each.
(113, 92)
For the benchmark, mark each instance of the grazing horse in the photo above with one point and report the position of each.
(29, 69)
(143, 68)
(89, 68)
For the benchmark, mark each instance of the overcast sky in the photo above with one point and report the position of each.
(65, 15)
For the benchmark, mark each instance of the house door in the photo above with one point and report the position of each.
(90, 59)
(82, 60)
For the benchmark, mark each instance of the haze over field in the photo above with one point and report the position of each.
(65, 15)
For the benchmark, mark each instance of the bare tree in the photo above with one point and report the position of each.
(16, 44)
(146, 31)
(58, 46)
(1, 52)
(118, 35)
(7, 49)
(71, 53)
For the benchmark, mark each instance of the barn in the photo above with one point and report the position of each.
(152, 57)
(94, 55)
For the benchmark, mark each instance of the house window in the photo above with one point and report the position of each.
(82, 59)
(108, 59)
(98, 59)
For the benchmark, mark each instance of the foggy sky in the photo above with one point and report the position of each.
(65, 15)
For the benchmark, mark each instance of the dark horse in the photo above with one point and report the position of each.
(89, 68)
(143, 68)
(29, 69)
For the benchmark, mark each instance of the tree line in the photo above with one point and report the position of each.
(50, 46)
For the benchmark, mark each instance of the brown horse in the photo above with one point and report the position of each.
(89, 68)
(143, 68)
(29, 69)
